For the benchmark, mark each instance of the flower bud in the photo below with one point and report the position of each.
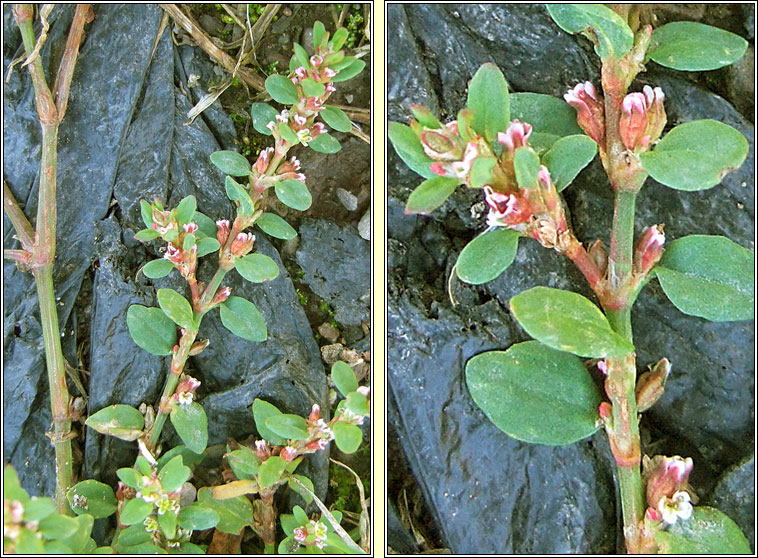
(288, 453)
(590, 113)
(650, 385)
(174, 254)
(364, 390)
(649, 249)
(198, 347)
(262, 450)
(316, 60)
(242, 244)
(515, 136)
(261, 164)
(315, 413)
(599, 255)
(665, 477)
(506, 210)
(187, 384)
(633, 122)
(222, 234)
(653, 514)
(656, 115)
(439, 147)
(221, 295)
(189, 228)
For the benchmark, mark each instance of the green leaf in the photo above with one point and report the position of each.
(313, 88)
(243, 319)
(234, 513)
(271, 471)
(288, 426)
(243, 462)
(257, 268)
(288, 521)
(357, 403)
(286, 132)
(80, 542)
(708, 531)
(275, 226)
(696, 155)
(300, 516)
(431, 194)
(129, 476)
(348, 72)
(174, 474)
(121, 421)
(690, 46)
(11, 487)
(135, 511)
(261, 411)
(487, 256)
(167, 522)
(146, 211)
(189, 457)
(235, 192)
(28, 543)
(299, 489)
(344, 378)
(189, 242)
(132, 536)
(409, 149)
(207, 246)
(185, 211)
(146, 235)
(605, 28)
(205, 225)
(425, 117)
(231, 162)
(340, 36)
(324, 143)
(191, 424)
(301, 55)
(708, 276)
(176, 307)
(336, 119)
(567, 321)
(281, 89)
(535, 394)
(526, 164)
(37, 508)
(318, 33)
(567, 157)
(262, 114)
(57, 526)
(151, 329)
(157, 268)
(197, 517)
(481, 171)
(143, 465)
(294, 194)
(348, 437)
(488, 98)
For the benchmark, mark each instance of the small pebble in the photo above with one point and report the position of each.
(349, 200)
(364, 226)
(328, 332)
(286, 12)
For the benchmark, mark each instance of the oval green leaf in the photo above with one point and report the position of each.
(185, 211)
(526, 164)
(535, 394)
(708, 531)
(275, 226)
(313, 88)
(99, 499)
(261, 411)
(318, 33)
(146, 235)
(348, 437)
(431, 194)
(157, 268)
(696, 155)
(294, 194)
(197, 517)
(567, 321)
(299, 489)
(146, 211)
(357, 403)
(567, 157)
(135, 511)
(324, 143)
(257, 268)
(281, 89)
(612, 36)
(174, 474)
(236, 193)
(231, 162)
(408, 148)
(234, 513)
(121, 421)
(288, 426)
(263, 114)
(189, 457)
(191, 424)
(710, 277)
(205, 224)
(271, 471)
(350, 71)
(207, 246)
(546, 114)
(151, 329)
(167, 522)
(58, 526)
(691, 46)
(129, 476)
(243, 319)
(487, 256)
(176, 307)
(488, 98)
(244, 463)
(336, 119)
(344, 378)
(301, 55)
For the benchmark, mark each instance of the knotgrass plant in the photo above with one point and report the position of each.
(521, 150)
(157, 510)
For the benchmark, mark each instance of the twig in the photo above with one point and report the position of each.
(46, 10)
(83, 14)
(24, 229)
(364, 520)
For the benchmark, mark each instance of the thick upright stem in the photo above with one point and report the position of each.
(268, 521)
(622, 238)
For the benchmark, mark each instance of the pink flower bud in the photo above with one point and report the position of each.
(317, 129)
(653, 514)
(300, 72)
(300, 121)
(271, 125)
(221, 295)
(261, 164)
(515, 136)
(262, 450)
(316, 60)
(283, 116)
(665, 476)
(656, 115)
(599, 255)
(506, 210)
(174, 254)
(315, 413)
(330, 88)
(649, 249)
(633, 122)
(544, 176)
(189, 228)
(222, 234)
(288, 453)
(242, 244)
(299, 534)
(198, 346)
(329, 73)
(313, 104)
(439, 169)
(589, 110)
(603, 367)
(187, 384)
(316, 445)
(364, 390)
(606, 411)
(651, 384)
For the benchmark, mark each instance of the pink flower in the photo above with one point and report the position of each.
(283, 116)
(589, 110)
(300, 72)
(330, 88)
(316, 60)
(462, 168)
(261, 164)
(649, 249)
(315, 413)
(222, 234)
(173, 254)
(262, 450)
(288, 453)
(633, 121)
(317, 129)
(506, 210)
(299, 534)
(313, 104)
(189, 228)
(515, 136)
(666, 476)
(242, 244)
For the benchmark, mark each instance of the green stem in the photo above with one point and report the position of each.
(622, 238)
(210, 290)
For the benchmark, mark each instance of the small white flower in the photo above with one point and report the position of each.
(678, 506)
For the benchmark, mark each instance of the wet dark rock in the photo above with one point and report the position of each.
(337, 264)
(735, 496)
(707, 410)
